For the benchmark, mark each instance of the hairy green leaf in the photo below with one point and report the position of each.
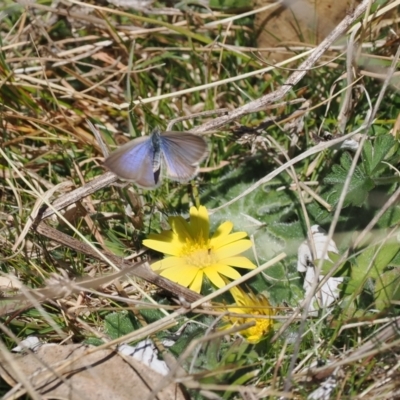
(375, 153)
(359, 187)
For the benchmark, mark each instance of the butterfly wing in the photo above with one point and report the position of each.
(182, 152)
(134, 162)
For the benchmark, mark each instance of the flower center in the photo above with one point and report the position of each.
(198, 253)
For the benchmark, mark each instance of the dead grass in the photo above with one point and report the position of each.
(129, 71)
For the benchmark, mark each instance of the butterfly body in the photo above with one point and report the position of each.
(156, 142)
(142, 159)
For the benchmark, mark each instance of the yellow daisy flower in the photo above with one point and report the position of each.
(249, 303)
(191, 253)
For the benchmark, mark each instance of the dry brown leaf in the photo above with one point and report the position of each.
(299, 21)
(103, 374)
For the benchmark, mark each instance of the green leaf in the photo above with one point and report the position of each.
(327, 265)
(374, 154)
(291, 293)
(118, 324)
(387, 288)
(379, 256)
(395, 261)
(359, 187)
(93, 341)
(390, 218)
(371, 263)
(190, 333)
(151, 314)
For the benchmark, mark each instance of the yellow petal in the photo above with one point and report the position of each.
(232, 249)
(165, 236)
(254, 339)
(223, 230)
(221, 241)
(214, 277)
(173, 249)
(182, 275)
(238, 295)
(223, 269)
(199, 223)
(197, 282)
(181, 228)
(240, 262)
(168, 262)
(235, 310)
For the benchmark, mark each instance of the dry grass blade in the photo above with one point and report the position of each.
(78, 80)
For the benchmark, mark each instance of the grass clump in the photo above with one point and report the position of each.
(182, 68)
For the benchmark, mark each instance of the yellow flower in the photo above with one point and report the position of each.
(249, 303)
(191, 253)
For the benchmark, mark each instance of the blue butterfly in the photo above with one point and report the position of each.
(142, 159)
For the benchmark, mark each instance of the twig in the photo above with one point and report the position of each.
(139, 269)
(89, 188)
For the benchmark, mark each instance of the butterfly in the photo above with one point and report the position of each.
(142, 159)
